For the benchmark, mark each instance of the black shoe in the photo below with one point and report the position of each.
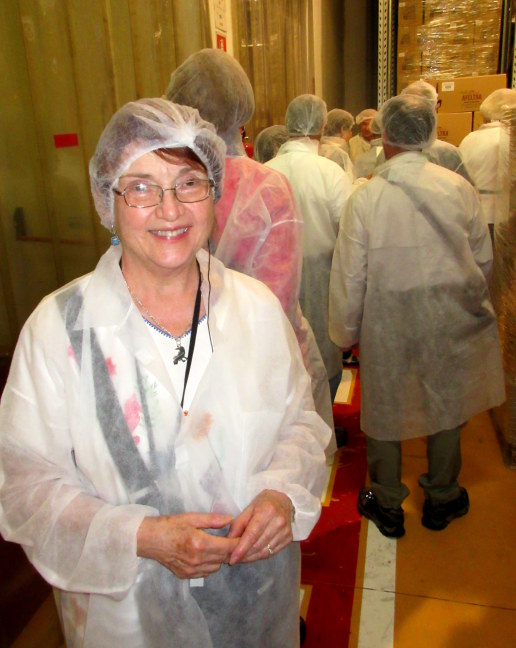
(349, 359)
(390, 521)
(438, 516)
(302, 630)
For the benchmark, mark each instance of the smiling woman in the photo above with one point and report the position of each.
(158, 421)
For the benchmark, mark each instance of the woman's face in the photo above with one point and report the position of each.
(164, 238)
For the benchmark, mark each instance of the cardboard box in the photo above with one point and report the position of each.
(410, 11)
(453, 127)
(465, 94)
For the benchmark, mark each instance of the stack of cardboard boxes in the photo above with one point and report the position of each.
(447, 38)
(460, 100)
(455, 46)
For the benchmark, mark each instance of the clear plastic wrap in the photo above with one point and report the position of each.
(446, 38)
(503, 284)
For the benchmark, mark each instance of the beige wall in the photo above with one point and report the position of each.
(342, 44)
(68, 67)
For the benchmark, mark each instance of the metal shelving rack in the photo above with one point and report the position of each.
(386, 49)
(387, 26)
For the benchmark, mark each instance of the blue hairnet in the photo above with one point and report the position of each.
(143, 126)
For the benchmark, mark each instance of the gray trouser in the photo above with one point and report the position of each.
(439, 483)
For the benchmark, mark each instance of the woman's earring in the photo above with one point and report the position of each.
(114, 237)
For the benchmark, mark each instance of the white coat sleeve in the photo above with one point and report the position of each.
(348, 278)
(479, 238)
(75, 540)
(297, 466)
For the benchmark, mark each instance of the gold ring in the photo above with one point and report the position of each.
(269, 550)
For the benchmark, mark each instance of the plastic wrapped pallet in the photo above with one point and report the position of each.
(503, 285)
(447, 38)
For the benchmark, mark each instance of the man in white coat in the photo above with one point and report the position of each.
(480, 150)
(409, 283)
(321, 189)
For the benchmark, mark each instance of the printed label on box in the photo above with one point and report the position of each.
(448, 86)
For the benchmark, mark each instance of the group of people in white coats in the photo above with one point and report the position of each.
(409, 284)
(164, 425)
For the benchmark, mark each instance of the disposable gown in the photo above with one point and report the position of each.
(480, 150)
(336, 149)
(441, 153)
(75, 485)
(259, 232)
(321, 189)
(409, 283)
(366, 162)
(448, 156)
(357, 146)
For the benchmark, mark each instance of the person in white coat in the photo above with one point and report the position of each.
(321, 189)
(258, 227)
(361, 142)
(334, 142)
(409, 283)
(268, 142)
(159, 447)
(481, 149)
(439, 152)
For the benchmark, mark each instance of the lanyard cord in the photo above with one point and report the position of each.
(191, 347)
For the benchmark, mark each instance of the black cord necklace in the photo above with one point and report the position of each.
(180, 350)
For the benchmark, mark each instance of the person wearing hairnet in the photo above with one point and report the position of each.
(159, 446)
(258, 228)
(366, 162)
(361, 142)
(409, 283)
(321, 189)
(335, 138)
(268, 142)
(439, 152)
(481, 148)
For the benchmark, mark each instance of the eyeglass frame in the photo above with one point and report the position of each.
(210, 182)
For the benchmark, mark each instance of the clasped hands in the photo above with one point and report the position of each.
(182, 544)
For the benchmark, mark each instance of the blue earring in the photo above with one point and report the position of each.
(114, 237)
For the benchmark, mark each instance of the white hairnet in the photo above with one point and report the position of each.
(143, 126)
(338, 119)
(216, 84)
(306, 115)
(494, 106)
(408, 121)
(365, 115)
(422, 89)
(374, 126)
(268, 141)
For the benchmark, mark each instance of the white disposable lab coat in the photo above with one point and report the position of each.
(408, 283)
(448, 156)
(336, 149)
(75, 487)
(259, 231)
(480, 151)
(357, 146)
(321, 189)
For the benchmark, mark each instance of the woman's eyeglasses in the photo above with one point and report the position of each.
(142, 194)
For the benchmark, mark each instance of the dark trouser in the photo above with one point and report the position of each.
(334, 385)
(439, 483)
